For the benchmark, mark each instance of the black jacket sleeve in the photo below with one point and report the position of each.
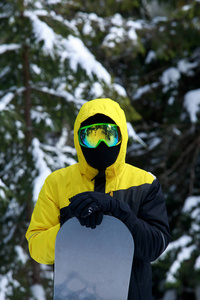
(150, 229)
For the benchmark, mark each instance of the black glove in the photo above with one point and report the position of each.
(91, 218)
(86, 204)
(65, 215)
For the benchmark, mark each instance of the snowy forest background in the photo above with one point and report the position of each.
(54, 56)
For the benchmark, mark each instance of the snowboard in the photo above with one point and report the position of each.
(93, 264)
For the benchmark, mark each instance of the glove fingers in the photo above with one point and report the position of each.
(77, 200)
(84, 208)
(89, 210)
(65, 215)
(78, 205)
(88, 221)
(92, 221)
(82, 221)
(99, 217)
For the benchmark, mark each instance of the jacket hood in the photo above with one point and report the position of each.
(111, 109)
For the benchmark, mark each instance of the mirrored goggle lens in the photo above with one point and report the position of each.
(91, 136)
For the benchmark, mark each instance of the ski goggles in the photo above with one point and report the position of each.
(92, 135)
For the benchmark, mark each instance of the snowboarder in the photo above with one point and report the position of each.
(102, 183)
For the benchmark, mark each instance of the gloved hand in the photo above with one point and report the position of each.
(65, 215)
(85, 204)
(92, 220)
(92, 217)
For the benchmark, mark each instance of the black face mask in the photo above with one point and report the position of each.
(103, 156)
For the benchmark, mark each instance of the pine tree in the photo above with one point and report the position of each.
(45, 77)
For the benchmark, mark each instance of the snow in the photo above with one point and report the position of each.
(144, 89)
(171, 100)
(197, 264)
(171, 75)
(21, 254)
(57, 156)
(184, 254)
(151, 56)
(63, 139)
(42, 32)
(115, 35)
(38, 5)
(54, 1)
(6, 283)
(117, 20)
(78, 54)
(8, 47)
(2, 187)
(132, 134)
(192, 104)
(4, 71)
(154, 142)
(186, 7)
(185, 250)
(141, 90)
(88, 20)
(132, 34)
(5, 100)
(180, 242)
(41, 166)
(120, 90)
(117, 32)
(139, 24)
(35, 69)
(190, 203)
(39, 115)
(134, 25)
(38, 292)
(96, 90)
(185, 67)
(88, 29)
(177, 131)
(71, 48)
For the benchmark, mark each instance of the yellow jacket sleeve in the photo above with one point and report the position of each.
(44, 225)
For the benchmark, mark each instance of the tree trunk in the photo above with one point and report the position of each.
(36, 278)
(27, 97)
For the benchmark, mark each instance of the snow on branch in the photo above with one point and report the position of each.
(43, 32)
(185, 249)
(5, 100)
(71, 48)
(132, 134)
(8, 47)
(183, 255)
(5, 281)
(41, 166)
(192, 104)
(78, 54)
(57, 156)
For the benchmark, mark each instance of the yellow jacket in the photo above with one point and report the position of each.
(67, 182)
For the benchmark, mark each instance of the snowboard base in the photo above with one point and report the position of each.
(93, 264)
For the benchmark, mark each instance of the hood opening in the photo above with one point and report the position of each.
(97, 118)
(102, 157)
(92, 111)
